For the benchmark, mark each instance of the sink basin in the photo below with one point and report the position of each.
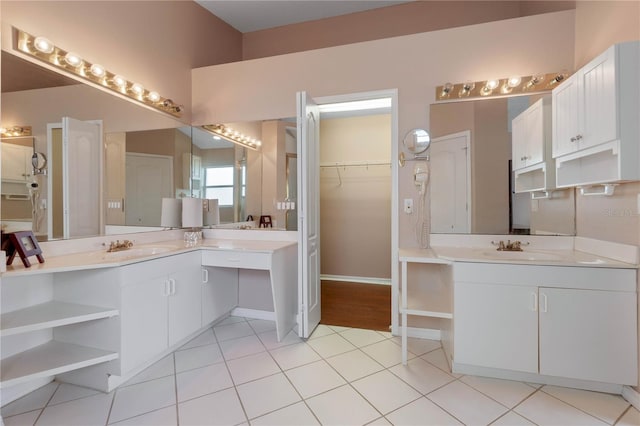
(521, 255)
(137, 252)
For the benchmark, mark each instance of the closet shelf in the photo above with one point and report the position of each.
(49, 315)
(50, 359)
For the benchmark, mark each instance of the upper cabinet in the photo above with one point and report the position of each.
(595, 120)
(531, 148)
(16, 162)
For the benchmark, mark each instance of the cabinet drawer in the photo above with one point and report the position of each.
(236, 259)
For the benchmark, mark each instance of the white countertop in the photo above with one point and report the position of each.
(138, 253)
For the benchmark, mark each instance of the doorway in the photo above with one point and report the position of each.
(149, 179)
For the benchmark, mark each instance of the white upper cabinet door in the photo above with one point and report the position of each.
(535, 134)
(564, 108)
(518, 142)
(16, 162)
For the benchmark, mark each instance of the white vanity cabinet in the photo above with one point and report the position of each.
(569, 322)
(16, 162)
(531, 147)
(595, 120)
(219, 292)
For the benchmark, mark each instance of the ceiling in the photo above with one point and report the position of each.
(254, 15)
(18, 74)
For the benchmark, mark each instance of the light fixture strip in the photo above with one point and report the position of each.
(232, 135)
(15, 131)
(45, 51)
(515, 85)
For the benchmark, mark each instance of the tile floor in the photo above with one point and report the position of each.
(238, 374)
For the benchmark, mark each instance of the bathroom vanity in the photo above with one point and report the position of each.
(558, 314)
(96, 319)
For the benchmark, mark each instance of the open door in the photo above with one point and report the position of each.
(308, 214)
(82, 177)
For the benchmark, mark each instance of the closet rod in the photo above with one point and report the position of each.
(355, 164)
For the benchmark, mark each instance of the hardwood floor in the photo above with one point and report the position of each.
(356, 305)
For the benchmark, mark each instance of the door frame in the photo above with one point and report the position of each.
(395, 241)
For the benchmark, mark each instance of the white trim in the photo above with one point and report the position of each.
(632, 396)
(424, 333)
(254, 314)
(362, 280)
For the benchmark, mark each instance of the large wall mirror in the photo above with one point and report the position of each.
(147, 156)
(474, 138)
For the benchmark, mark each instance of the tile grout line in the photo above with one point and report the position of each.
(571, 405)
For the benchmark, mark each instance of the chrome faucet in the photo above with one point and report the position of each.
(118, 246)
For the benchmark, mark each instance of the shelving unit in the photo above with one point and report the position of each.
(419, 304)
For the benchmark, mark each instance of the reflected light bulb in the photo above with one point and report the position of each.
(119, 81)
(97, 70)
(491, 84)
(137, 88)
(514, 81)
(73, 59)
(43, 45)
(153, 96)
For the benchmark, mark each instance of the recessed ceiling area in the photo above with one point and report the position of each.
(247, 16)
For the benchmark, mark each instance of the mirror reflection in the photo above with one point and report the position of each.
(471, 179)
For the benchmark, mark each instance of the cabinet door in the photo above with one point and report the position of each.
(496, 326)
(185, 314)
(535, 134)
(598, 100)
(565, 113)
(143, 321)
(589, 335)
(519, 142)
(16, 162)
(219, 292)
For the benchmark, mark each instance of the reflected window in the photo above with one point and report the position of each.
(219, 184)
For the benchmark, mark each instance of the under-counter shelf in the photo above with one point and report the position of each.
(50, 359)
(49, 315)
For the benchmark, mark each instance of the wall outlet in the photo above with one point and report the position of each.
(408, 205)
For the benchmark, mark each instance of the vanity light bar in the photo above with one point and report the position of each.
(500, 87)
(232, 135)
(15, 131)
(44, 50)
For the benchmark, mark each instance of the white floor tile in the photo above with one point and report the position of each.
(270, 339)
(268, 394)
(422, 375)
(339, 328)
(630, 418)
(294, 355)
(205, 338)
(512, 419)
(163, 417)
(201, 381)
(506, 392)
(385, 391)
(360, 337)
(92, 410)
(243, 346)
(314, 378)
(418, 346)
(604, 406)
(543, 409)
(467, 404)
(331, 345)
(380, 422)
(31, 401)
(438, 358)
(342, 406)
(386, 353)
(67, 392)
(142, 398)
(24, 419)
(260, 326)
(421, 413)
(197, 357)
(294, 415)
(231, 320)
(320, 331)
(252, 367)
(163, 368)
(385, 334)
(354, 365)
(220, 408)
(233, 331)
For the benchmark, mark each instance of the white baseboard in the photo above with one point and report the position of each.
(254, 314)
(632, 396)
(424, 333)
(350, 279)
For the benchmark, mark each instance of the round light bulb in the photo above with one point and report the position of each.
(137, 88)
(491, 84)
(448, 87)
(97, 70)
(43, 45)
(514, 81)
(73, 59)
(258, 143)
(153, 96)
(119, 81)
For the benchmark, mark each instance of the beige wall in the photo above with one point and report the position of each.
(153, 42)
(355, 216)
(391, 21)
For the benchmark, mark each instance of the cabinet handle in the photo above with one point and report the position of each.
(205, 275)
(167, 288)
(573, 139)
(578, 137)
(173, 286)
(535, 301)
(543, 298)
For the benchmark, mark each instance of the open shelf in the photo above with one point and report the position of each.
(50, 314)
(48, 360)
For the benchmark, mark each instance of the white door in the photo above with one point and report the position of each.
(308, 214)
(450, 185)
(82, 177)
(564, 107)
(149, 179)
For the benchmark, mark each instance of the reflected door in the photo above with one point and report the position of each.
(149, 180)
(308, 214)
(450, 184)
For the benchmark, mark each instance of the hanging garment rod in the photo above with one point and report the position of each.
(355, 164)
